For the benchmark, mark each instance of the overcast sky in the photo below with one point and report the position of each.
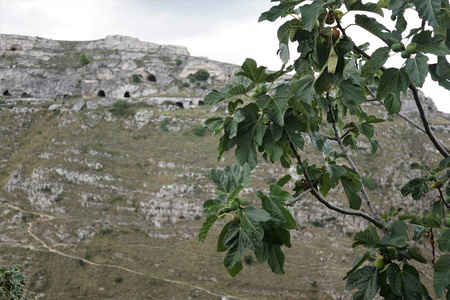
(224, 30)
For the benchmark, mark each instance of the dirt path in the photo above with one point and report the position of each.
(45, 247)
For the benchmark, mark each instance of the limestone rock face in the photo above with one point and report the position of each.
(119, 67)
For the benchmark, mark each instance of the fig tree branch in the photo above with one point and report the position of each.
(352, 164)
(343, 211)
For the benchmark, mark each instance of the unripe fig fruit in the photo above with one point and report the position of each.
(263, 90)
(431, 177)
(391, 250)
(255, 95)
(396, 47)
(236, 217)
(405, 54)
(447, 222)
(411, 48)
(379, 263)
(234, 205)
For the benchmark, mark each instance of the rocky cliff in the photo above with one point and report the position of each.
(120, 67)
(104, 203)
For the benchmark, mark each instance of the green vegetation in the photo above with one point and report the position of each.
(179, 62)
(201, 75)
(326, 103)
(84, 60)
(136, 78)
(163, 125)
(12, 284)
(106, 230)
(122, 108)
(199, 130)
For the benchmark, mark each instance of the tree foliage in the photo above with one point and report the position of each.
(326, 100)
(12, 284)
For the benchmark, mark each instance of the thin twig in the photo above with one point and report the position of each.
(352, 164)
(290, 202)
(329, 205)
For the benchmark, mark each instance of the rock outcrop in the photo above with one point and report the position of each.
(119, 67)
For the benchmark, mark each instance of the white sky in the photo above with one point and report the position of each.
(223, 30)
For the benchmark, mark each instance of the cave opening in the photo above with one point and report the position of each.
(6, 93)
(151, 78)
(201, 103)
(179, 104)
(101, 93)
(126, 95)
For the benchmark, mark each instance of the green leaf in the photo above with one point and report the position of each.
(367, 238)
(304, 88)
(215, 97)
(417, 187)
(220, 242)
(444, 240)
(379, 58)
(441, 276)
(377, 29)
(250, 219)
(417, 69)
(285, 179)
(310, 13)
(433, 221)
(252, 72)
(320, 142)
(397, 6)
(428, 10)
(358, 262)
(416, 254)
(276, 259)
(236, 241)
(351, 188)
(426, 43)
(206, 227)
(358, 5)
(395, 278)
(399, 241)
(353, 95)
(393, 81)
(336, 171)
(274, 205)
(366, 281)
(277, 104)
(393, 104)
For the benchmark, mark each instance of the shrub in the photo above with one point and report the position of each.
(199, 130)
(136, 78)
(179, 62)
(122, 108)
(84, 60)
(2, 101)
(201, 75)
(164, 124)
(248, 259)
(118, 279)
(106, 230)
(192, 78)
(185, 85)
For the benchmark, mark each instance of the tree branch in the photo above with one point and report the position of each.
(290, 202)
(426, 126)
(329, 205)
(352, 164)
(407, 119)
